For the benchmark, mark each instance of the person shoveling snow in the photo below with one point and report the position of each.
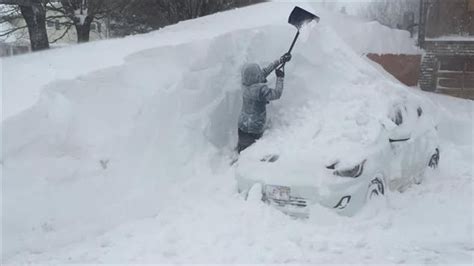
(256, 95)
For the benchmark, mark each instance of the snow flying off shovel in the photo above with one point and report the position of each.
(298, 18)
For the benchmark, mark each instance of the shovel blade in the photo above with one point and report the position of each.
(299, 17)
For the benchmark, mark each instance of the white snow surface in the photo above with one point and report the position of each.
(118, 151)
(363, 36)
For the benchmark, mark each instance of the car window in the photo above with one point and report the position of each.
(419, 110)
(396, 116)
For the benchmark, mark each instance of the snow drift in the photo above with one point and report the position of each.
(133, 138)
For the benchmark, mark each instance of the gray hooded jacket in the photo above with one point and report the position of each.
(256, 94)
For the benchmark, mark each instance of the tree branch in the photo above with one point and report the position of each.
(6, 33)
(50, 6)
(62, 35)
(49, 18)
(17, 2)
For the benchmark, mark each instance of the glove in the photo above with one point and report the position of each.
(279, 73)
(285, 58)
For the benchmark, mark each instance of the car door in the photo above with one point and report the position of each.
(424, 140)
(402, 145)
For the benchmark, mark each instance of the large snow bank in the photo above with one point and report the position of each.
(19, 95)
(363, 36)
(123, 158)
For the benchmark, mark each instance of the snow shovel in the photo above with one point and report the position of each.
(298, 18)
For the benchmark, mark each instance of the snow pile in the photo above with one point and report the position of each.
(124, 157)
(18, 97)
(372, 37)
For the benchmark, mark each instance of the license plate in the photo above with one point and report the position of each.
(277, 192)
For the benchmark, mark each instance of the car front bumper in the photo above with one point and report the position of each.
(346, 199)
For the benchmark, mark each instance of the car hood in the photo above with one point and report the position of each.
(299, 165)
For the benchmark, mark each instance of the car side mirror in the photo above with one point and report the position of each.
(398, 136)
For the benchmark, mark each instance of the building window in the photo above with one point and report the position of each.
(57, 25)
(50, 23)
(471, 6)
(93, 27)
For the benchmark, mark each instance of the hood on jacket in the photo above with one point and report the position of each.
(252, 74)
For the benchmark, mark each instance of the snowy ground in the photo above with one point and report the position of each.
(201, 219)
(123, 158)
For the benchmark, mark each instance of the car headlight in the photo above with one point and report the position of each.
(351, 172)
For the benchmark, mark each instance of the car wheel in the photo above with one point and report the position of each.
(434, 160)
(375, 200)
(376, 188)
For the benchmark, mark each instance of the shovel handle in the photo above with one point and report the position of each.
(291, 48)
(294, 41)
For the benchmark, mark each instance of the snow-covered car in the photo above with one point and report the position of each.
(293, 171)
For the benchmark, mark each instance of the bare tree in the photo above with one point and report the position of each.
(35, 17)
(8, 15)
(177, 10)
(139, 16)
(128, 16)
(34, 13)
(81, 13)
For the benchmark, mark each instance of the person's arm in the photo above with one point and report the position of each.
(269, 69)
(269, 94)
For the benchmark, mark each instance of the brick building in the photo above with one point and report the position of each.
(447, 35)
